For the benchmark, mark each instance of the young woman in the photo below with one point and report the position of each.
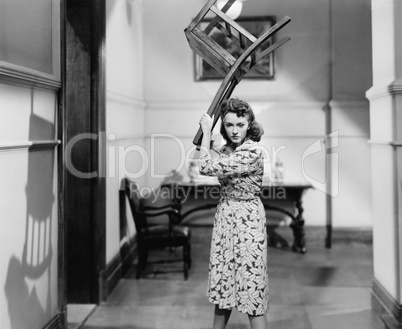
(238, 262)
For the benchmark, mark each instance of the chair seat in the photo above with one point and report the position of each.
(159, 236)
(160, 230)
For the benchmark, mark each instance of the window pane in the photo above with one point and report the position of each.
(26, 34)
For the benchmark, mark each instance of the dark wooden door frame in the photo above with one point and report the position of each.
(83, 197)
(61, 175)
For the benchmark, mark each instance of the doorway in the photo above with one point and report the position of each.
(83, 124)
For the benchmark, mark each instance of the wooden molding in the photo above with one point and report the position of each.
(384, 305)
(28, 77)
(29, 145)
(117, 98)
(396, 143)
(55, 323)
(385, 90)
(116, 269)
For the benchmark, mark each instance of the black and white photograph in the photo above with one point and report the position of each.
(200, 164)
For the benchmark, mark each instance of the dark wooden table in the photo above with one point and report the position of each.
(272, 196)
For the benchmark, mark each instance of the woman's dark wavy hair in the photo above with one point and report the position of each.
(241, 109)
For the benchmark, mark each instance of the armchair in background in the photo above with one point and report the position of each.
(167, 234)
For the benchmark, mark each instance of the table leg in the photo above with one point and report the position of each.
(297, 227)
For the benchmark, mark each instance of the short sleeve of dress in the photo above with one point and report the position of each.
(245, 160)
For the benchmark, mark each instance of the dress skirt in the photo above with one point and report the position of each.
(238, 275)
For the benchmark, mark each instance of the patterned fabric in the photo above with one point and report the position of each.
(238, 263)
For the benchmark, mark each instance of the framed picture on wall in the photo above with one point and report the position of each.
(263, 70)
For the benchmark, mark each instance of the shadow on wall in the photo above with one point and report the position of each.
(111, 4)
(28, 280)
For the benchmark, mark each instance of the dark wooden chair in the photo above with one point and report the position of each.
(167, 234)
(234, 69)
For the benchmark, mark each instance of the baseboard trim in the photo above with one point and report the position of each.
(55, 323)
(116, 269)
(386, 307)
(318, 235)
(344, 234)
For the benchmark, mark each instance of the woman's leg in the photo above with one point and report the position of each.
(221, 318)
(258, 322)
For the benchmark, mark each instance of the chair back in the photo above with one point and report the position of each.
(133, 195)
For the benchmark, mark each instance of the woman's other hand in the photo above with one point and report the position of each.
(206, 123)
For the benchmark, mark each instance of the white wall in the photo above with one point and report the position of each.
(28, 208)
(124, 108)
(291, 107)
(352, 77)
(386, 152)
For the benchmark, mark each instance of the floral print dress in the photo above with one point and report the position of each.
(238, 261)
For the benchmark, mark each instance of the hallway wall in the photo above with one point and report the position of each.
(124, 109)
(309, 75)
(28, 208)
(153, 102)
(29, 109)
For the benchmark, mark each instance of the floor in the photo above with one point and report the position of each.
(322, 289)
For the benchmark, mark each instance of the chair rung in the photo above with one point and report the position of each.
(201, 14)
(225, 8)
(236, 26)
(233, 38)
(271, 49)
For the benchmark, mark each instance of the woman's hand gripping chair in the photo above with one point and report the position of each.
(169, 234)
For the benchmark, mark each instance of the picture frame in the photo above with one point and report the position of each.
(263, 70)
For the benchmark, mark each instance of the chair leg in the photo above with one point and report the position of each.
(139, 264)
(142, 261)
(189, 256)
(185, 269)
(186, 259)
(145, 259)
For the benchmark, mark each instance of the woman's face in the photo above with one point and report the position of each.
(236, 127)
